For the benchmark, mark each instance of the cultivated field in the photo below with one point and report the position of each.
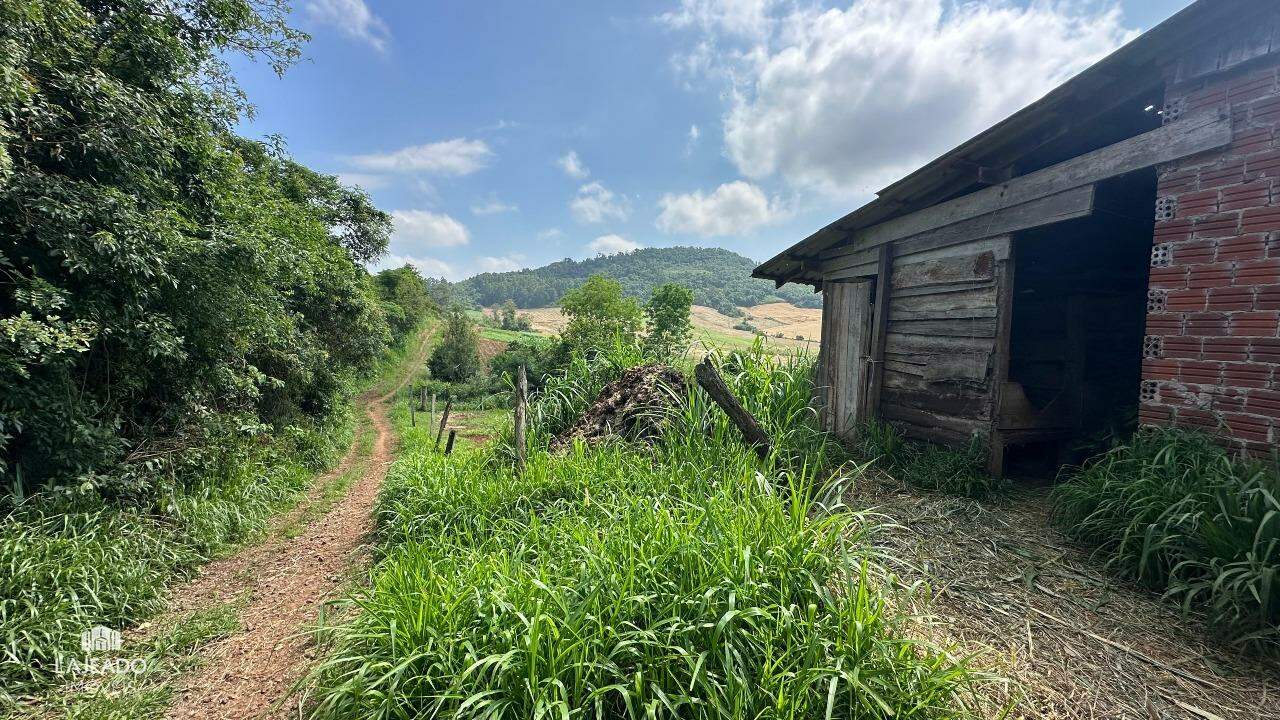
(715, 328)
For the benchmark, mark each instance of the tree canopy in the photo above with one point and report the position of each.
(718, 278)
(162, 280)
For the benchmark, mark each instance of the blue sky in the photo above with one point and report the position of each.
(510, 134)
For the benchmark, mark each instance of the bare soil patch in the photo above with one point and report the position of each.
(287, 581)
(1077, 641)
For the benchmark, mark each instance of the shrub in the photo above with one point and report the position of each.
(1175, 511)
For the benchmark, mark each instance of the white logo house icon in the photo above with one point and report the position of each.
(99, 639)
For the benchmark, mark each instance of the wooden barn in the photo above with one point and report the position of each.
(1112, 249)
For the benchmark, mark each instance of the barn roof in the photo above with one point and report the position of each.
(1066, 122)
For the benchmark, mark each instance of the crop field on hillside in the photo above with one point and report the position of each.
(715, 329)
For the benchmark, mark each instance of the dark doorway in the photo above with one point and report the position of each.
(1078, 319)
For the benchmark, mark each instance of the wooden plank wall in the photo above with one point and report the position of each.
(942, 327)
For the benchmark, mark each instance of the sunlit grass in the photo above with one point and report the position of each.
(1179, 513)
(689, 579)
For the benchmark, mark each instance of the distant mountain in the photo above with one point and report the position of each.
(719, 278)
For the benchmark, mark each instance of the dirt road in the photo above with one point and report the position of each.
(286, 580)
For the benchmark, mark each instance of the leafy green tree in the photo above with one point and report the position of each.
(667, 317)
(406, 300)
(161, 280)
(456, 358)
(599, 315)
(507, 316)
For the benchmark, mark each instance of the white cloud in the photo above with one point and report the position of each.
(459, 156)
(353, 18)
(554, 233)
(595, 203)
(734, 208)
(691, 140)
(418, 229)
(572, 165)
(846, 101)
(427, 266)
(368, 181)
(741, 18)
(492, 206)
(611, 245)
(502, 263)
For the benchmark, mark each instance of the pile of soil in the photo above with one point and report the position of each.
(631, 407)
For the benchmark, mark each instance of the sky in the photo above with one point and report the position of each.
(509, 133)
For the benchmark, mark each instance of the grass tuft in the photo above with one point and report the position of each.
(1180, 514)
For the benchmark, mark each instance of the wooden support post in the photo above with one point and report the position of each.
(879, 331)
(432, 420)
(448, 448)
(710, 381)
(521, 412)
(422, 401)
(1005, 277)
(413, 418)
(444, 420)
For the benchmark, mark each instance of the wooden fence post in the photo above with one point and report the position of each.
(448, 448)
(413, 418)
(710, 381)
(432, 421)
(522, 400)
(444, 420)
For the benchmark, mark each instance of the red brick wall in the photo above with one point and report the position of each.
(1212, 353)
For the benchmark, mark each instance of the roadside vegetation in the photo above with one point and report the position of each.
(185, 315)
(1182, 515)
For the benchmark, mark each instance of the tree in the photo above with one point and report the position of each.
(163, 283)
(405, 298)
(599, 315)
(507, 317)
(667, 316)
(456, 357)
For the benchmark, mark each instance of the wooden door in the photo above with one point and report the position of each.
(846, 341)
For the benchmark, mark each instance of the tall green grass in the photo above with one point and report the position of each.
(925, 465)
(687, 579)
(1177, 512)
(69, 562)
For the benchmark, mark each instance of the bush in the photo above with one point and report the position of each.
(1175, 511)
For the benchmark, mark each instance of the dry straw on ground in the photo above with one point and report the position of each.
(1073, 641)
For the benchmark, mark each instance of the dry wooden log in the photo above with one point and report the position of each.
(710, 381)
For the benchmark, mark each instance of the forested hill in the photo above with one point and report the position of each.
(719, 278)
